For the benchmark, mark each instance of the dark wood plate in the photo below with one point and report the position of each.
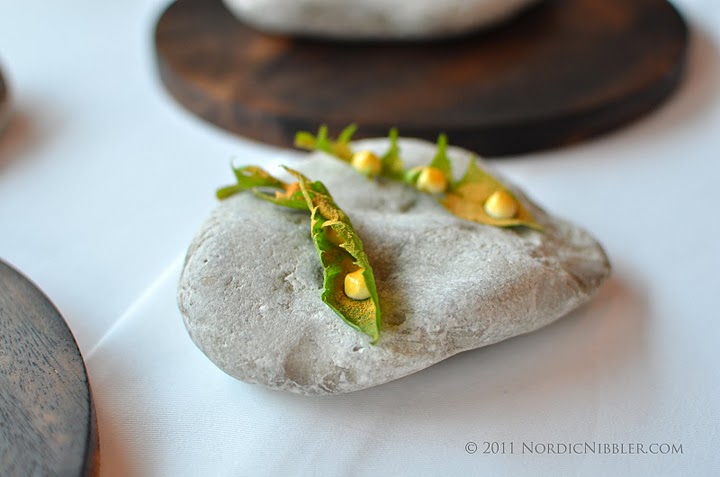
(564, 71)
(47, 417)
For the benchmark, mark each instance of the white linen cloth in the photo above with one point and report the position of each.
(104, 181)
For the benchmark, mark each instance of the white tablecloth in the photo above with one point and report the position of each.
(104, 180)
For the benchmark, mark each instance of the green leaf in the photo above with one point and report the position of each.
(467, 200)
(347, 133)
(291, 196)
(473, 173)
(258, 181)
(339, 247)
(339, 148)
(295, 201)
(411, 175)
(305, 140)
(341, 252)
(392, 164)
(248, 177)
(441, 160)
(253, 176)
(225, 192)
(322, 137)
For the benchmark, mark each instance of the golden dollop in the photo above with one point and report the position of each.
(367, 163)
(501, 205)
(432, 180)
(355, 286)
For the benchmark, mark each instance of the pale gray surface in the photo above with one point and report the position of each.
(250, 290)
(639, 364)
(374, 19)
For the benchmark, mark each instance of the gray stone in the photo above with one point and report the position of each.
(250, 289)
(374, 19)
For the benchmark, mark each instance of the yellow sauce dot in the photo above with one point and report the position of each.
(355, 286)
(432, 180)
(501, 205)
(367, 163)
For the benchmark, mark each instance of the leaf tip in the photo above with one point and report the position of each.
(347, 133)
(304, 140)
(442, 141)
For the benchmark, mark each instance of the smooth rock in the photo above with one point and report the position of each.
(250, 289)
(374, 19)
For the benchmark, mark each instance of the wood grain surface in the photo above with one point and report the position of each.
(47, 417)
(562, 72)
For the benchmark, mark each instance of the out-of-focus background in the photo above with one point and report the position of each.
(104, 179)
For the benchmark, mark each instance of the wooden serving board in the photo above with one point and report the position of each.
(47, 417)
(563, 71)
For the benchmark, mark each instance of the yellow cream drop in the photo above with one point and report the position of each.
(501, 205)
(355, 286)
(432, 180)
(367, 163)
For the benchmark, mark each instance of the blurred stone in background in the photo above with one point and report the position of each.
(374, 19)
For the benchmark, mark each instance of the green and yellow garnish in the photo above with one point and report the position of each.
(477, 196)
(348, 281)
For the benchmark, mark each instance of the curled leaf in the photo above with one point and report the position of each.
(341, 253)
(248, 177)
(339, 247)
(264, 186)
(339, 148)
(467, 199)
